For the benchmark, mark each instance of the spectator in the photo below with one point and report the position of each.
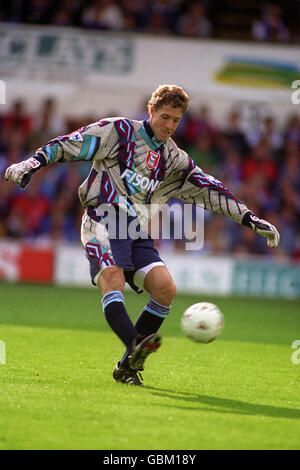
(247, 245)
(168, 11)
(257, 193)
(270, 27)
(39, 11)
(290, 169)
(103, 14)
(28, 212)
(289, 196)
(187, 18)
(288, 229)
(261, 161)
(156, 24)
(234, 132)
(47, 122)
(230, 170)
(68, 13)
(62, 17)
(63, 219)
(197, 124)
(130, 23)
(292, 131)
(194, 22)
(18, 119)
(216, 236)
(13, 147)
(14, 11)
(6, 195)
(137, 9)
(202, 153)
(266, 130)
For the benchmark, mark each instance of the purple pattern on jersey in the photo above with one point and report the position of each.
(92, 213)
(191, 167)
(202, 180)
(103, 123)
(126, 152)
(91, 178)
(108, 193)
(125, 129)
(126, 146)
(61, 138)
(97, 255)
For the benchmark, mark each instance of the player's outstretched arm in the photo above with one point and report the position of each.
(20, 173)
(208, 192)
(263, 228)
(79, 145)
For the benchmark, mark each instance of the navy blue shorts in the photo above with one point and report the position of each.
(134, 256)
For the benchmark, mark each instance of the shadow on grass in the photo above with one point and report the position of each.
(223, 405)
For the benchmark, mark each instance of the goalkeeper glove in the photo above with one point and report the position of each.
(263, 228)
(20, 173)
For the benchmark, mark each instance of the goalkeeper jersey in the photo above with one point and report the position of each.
(135, 172)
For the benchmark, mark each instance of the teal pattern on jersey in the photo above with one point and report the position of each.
(51, 151)
(152, 143)
(89, 147)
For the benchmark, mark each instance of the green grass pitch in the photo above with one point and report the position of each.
(57, 392)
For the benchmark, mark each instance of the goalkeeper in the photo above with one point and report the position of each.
(136, 166)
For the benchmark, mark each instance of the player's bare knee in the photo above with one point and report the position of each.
(170, 292)
(159, 283)
(111, 279)
(169, 288)
(164, 293)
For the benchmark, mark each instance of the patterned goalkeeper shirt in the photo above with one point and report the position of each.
(135, 172)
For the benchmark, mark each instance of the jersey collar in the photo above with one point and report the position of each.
(150, 133)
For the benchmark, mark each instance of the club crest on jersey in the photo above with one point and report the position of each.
(152, 159)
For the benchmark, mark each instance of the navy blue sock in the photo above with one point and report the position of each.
(149, 321)
(117, 317)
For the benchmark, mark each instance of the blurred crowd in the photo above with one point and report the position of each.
(191, 18)
(260, 164)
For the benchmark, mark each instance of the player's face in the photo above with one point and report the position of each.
(164, 121)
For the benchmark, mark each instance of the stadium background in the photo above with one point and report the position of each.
(65, 64)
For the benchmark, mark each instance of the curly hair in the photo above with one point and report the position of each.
(169, 94)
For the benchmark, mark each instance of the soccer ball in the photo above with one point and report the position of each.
(202, 322)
